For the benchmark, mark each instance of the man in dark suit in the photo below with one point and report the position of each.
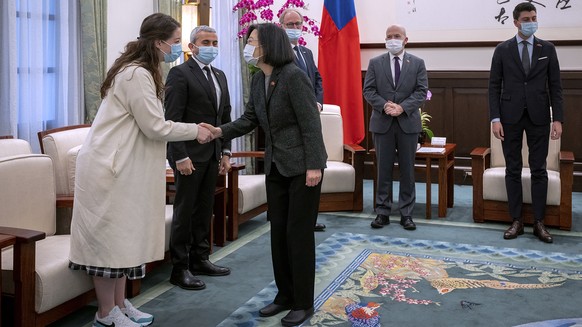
(196, 93)
(523, 84)
(395, 86)
(292, 21)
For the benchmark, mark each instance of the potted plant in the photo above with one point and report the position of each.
(426, 134)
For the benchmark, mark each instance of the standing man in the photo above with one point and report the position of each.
(523, 84)
(196, 92)
(395, 86)
(292, 22)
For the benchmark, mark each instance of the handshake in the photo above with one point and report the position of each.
(207, 133)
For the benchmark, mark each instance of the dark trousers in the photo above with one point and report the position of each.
(293, 209)
(391, 146)
(537, 137)
(193, 204)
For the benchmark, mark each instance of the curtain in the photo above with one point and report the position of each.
(41, 67)
(172, 8)
(94, 51)
(229, 60)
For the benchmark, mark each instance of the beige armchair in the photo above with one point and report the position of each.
(246, 195)
(63, 145)
(10, 146)
(342, 185)
(490, 195)
(35, 271)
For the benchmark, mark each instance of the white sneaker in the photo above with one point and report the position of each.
(142, 318)
(115, 318)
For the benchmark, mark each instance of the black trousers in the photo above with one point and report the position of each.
(537, 137)
(193, 205)
(293, 209)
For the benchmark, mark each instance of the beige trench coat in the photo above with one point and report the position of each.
(118, 216)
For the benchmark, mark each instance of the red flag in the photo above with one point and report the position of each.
(339, 65)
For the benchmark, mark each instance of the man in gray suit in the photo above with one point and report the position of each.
(395, 86)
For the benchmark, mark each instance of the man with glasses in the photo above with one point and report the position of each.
(292, 21)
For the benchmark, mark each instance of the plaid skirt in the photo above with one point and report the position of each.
(131, 273)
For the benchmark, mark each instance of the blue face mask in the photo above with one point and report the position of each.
(175, 52)
(293, 34)
(206, 54)
(528, 28)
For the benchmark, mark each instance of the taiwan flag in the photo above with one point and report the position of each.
(339, 65)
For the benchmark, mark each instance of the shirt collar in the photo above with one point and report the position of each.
(201, 64)
(529, 40)
(399, 56)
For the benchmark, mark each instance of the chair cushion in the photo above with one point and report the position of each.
(333, 136)
(55, 282)
(12, 147)
(494, 186)
(338, 177)
(27, 193)
(252, 192)
(72, 166)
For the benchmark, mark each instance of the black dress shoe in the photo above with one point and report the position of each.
(205, 267)
(407, 223)
(514, 230)
(542, 233)
(319, 227)
(273, 309)
(380, 221)
(296, 317)
(184, 279)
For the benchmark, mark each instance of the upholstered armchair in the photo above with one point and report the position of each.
(246, 195)
(490, 195)
(10, 146)
(342, 185)
(63, 145)
(35, 270)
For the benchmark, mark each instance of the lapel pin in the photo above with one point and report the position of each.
(272, 83)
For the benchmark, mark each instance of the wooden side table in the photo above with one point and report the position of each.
(446, 175)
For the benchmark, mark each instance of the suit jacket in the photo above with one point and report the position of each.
(410, 92)
(287, 112)
(312, 72)
(188, 99)
(511, 91)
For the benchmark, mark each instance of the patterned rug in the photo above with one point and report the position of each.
(365, 280)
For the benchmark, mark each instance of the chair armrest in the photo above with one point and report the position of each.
(480, 152)
(354, 148)
(566, 157)
(249, 154)
(23, 235)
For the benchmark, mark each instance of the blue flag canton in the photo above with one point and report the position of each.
(341, 11)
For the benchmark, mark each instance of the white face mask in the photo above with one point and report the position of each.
(394, 46)
(248, 52)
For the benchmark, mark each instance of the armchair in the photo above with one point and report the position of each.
(246, 195)
(35, 271)
(62, 145)
(10, 146)
(342, 184)
(490, 195)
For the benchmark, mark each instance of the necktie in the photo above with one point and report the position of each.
(396, 70)
(525, 57)
(211, 84)
(300, 61)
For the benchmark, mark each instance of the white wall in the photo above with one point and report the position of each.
(123, 21)
(125, 17)
(374, 17)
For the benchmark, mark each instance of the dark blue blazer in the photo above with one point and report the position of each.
(511, 91)
(312, 72)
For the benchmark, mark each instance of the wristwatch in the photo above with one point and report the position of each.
(227, 153)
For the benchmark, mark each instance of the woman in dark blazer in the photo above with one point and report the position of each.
(282, 102)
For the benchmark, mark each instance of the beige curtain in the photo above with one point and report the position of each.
(94, 51)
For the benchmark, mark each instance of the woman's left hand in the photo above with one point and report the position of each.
(313, 177)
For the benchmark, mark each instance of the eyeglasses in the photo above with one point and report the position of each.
(295, 24)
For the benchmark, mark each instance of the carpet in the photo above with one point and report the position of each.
(365, 280)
